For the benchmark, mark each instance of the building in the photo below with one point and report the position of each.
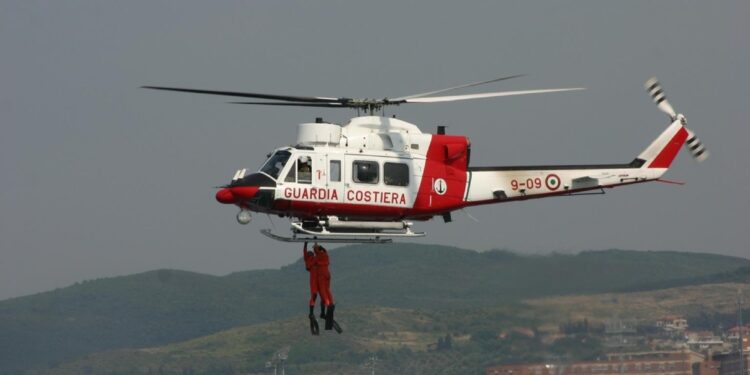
(705, 341)
(684, 362)
(729, 363)
(672, 323)
(709, 367)
(621, 333)
(733, 334)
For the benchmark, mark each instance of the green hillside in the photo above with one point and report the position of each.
(164, 306)
(406, 340)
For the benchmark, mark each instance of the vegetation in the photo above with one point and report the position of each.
(405, 341)
(714, 320)
(167, 306)
(413, 341)
(708, 304)
(738, 275)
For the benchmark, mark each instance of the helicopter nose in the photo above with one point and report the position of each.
(236, 194)
(225, 196)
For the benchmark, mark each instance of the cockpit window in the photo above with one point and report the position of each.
(291, 176)
(276, 163)
(304, 170)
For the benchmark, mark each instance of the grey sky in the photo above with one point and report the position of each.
(101, 178)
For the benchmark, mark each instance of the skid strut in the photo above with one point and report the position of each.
(333, 230)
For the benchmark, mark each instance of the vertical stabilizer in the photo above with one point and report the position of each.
(662, 151)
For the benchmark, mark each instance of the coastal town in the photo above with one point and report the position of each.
(666, 346)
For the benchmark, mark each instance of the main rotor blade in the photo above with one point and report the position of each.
(439, 99)
(326, 105)
(457, 87)
(288, 98)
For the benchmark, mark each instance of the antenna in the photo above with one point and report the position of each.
(278, 358)
(371, 363)
(740, 328)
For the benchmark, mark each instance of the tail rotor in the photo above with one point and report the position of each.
(696, 147)
(657, 94)
(693, 144)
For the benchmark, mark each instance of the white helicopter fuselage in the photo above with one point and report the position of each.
(386, 169)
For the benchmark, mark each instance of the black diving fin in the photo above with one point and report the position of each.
(329, 317)
(337, 328)
(314, 328)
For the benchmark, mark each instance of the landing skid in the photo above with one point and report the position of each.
(323, 238)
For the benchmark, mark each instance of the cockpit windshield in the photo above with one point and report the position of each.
(276, 163)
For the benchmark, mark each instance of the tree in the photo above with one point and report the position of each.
(448, 342)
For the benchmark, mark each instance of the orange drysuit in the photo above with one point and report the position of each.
(311, 266)
(324, 275)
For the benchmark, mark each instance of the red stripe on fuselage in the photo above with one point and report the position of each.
(669, 152)
(447, 158)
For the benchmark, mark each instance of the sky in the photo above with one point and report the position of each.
(102, 178)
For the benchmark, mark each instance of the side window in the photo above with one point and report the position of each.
(335, 171)
(396, 174)
(292, 175)
(365, 172)
(304, 170)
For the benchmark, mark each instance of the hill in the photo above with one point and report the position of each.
(160, 307)
(406, 340)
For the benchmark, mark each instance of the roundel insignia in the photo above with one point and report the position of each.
(552, 181)
(440, 186)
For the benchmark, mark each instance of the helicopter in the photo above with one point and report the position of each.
(370, 179)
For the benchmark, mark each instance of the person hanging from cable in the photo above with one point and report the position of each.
(324, 286)
(311, 267)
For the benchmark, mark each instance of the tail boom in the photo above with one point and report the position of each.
(500, 184)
